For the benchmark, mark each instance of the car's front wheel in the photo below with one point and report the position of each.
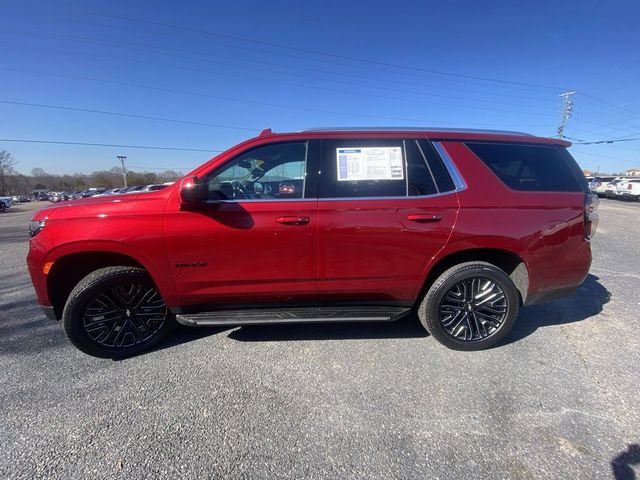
(470, 306)
(116, 312)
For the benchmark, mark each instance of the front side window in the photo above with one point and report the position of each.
(270, 172)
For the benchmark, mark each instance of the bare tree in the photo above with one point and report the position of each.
(6, 168)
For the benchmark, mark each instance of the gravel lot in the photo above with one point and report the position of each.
(559, 398)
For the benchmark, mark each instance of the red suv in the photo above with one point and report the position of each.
(357, 225)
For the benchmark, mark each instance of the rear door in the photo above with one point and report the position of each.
(386, 207)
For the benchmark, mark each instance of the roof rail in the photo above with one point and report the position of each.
(413, 129)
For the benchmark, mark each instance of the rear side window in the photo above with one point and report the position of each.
(363, 168)
(420, 178)
(531, 167)
(438, 170)
(369, 167)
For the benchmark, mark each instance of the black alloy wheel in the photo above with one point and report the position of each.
(473, 309)
(470, 306)
(116, 312)
(125, 315)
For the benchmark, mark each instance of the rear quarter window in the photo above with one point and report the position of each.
(531, 167)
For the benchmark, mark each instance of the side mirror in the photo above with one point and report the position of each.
(192, 191)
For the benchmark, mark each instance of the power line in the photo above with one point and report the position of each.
(609, 141)
(603, 156)
(218, 97)
(252, 66)
(387, 97)
(607, 78)
(328, 54)
(54, 142)
(130, 115)
(613, 105)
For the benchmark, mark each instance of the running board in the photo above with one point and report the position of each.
(274, 316)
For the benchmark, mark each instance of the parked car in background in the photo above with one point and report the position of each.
(109, 191)
(21, 198)
(55, 197)
(609, 189)
(628, 189)
(5, 203)
(461, 228)
(599, 182)
(154, 187)
(133, 189)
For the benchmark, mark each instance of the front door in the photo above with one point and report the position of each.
(386, 208)
(253, 241)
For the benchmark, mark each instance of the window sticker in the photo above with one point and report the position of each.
(369, 163)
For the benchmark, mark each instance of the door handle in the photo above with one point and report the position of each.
(293, 220)
(424, 218)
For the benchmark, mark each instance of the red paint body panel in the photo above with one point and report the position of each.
(370, 250)
(525, 223)
(378, 249)
(250, 257)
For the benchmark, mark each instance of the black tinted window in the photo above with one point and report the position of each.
(363, 168)
(420, 179)
(439, 171)
(275, 171)
(529, 167)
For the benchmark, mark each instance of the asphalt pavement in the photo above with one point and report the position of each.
(558, 399)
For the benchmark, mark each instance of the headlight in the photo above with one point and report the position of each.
(35, 227)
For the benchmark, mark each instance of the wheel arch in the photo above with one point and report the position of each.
(71, 267)
(509, 261)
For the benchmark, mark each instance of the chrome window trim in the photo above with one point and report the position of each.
(458, 181)
(260, 200)
(333, 199)
(412, 197)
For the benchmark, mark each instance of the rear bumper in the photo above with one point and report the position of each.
(49, 312)
(550, 295)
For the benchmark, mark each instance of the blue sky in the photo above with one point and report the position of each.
(217, 65)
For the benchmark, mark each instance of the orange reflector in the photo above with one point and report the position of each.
(47, 267)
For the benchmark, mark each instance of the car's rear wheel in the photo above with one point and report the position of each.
(3, 207)
(470, 306)
(116, 312)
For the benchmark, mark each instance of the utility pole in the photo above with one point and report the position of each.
(567, 108)
(122, 158)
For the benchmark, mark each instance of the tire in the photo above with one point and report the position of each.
(3, 207)
(457, 312)
(137, 317)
